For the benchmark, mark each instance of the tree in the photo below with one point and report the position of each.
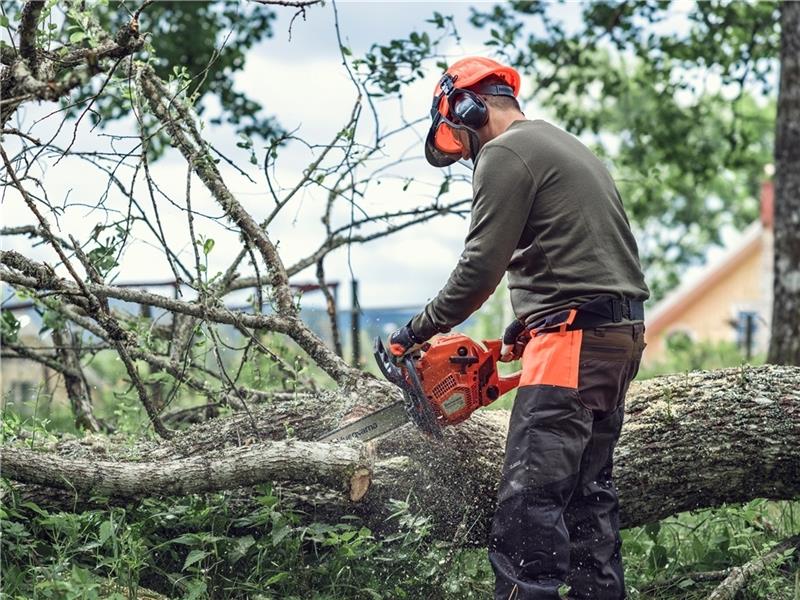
(204, 42)
(785, 339)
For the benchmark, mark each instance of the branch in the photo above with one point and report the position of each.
(335, 465)
(23, 352)
(41, 277)
(337, 241)
(99, 307)
(187, 139)
(21, 80)
(27, 33)
(738, 578)
(75, 381)
(173, 367)
(330, 304)
(289, 3)
(196, 153)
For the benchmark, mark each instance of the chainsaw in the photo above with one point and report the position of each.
(442, 384)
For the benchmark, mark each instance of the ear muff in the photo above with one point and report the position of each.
(468, 108)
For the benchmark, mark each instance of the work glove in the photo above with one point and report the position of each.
(514, 339)
(404, 341)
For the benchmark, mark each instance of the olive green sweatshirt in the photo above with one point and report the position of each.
(545, 210)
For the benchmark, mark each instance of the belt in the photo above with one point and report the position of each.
(603, 310)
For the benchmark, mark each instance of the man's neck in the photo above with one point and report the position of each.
(499, 121)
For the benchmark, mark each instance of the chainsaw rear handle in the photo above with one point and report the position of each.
(508, 382)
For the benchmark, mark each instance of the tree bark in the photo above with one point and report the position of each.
(784, 345)
(340, 468)
(690, 441)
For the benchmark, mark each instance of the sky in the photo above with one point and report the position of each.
(298, 76)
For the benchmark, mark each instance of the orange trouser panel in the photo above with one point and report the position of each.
(552, 359)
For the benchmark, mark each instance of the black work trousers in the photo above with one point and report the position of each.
(557, 520)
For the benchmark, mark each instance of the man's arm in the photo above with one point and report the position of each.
(503, 193)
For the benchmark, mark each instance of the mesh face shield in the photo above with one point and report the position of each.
(441, 146)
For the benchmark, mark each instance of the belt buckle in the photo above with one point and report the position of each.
(627, 312)
(616, 310)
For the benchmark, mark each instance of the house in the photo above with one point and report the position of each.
(28, 385)
(730, 299)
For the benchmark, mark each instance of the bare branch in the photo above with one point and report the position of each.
(289, 3)
(738, 577)
(330, 304)
(197, 154)
(187, 139)
(22, 134)
(38, 277)
(23, 352)
(75, 381)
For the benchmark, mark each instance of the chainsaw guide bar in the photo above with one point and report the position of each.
(370, 426)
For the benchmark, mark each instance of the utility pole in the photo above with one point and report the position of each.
(355, 325)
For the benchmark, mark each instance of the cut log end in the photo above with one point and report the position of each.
(359, 483)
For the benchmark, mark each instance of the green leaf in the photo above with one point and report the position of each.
(444, 188)
(240, 547)
(279, 532)
(659, 556)
(208, 246)
(652, 530)
(35, 508)
(106, 529)
(194, 556)
(196, 588)
(9, 326)
(346, 51)
(187, 538)
(77, 37)
(3, 21)
(277, 578)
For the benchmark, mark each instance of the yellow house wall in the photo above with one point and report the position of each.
(707, 317)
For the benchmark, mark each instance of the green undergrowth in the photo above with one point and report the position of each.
(667, 560)
(200, 547)
(196, 547)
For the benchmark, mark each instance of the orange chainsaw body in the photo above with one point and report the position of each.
(459, 375)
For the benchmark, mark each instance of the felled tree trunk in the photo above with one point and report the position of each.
(690, 441)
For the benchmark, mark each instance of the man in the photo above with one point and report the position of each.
(546, 211)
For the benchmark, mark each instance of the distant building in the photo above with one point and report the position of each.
(27, 384)
(730, 299)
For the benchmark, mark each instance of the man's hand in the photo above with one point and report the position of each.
(404, 341)
(514, 339)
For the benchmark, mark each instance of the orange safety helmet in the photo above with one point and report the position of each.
(455, 107)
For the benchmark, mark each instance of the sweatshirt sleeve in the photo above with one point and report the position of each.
(503, 191)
